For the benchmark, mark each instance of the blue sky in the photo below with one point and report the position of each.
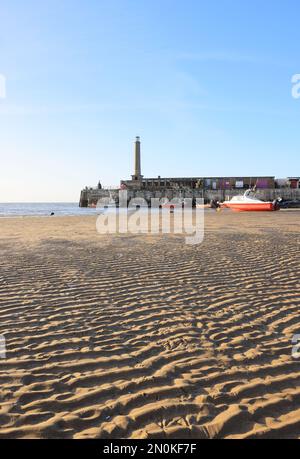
(207, 86)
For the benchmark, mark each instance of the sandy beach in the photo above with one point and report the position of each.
(140, 336)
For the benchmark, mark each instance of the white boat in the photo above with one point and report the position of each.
(249, 203)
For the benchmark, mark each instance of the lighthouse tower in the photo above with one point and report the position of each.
(137, 176)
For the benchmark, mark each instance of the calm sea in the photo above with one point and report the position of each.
(43, 209)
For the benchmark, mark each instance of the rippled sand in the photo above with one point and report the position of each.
(147, 337)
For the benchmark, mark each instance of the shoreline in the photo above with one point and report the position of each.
(294, 210)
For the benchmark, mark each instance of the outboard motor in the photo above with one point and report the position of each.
(276, 203)
(214, 204)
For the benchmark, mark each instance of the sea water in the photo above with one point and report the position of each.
(44, 209)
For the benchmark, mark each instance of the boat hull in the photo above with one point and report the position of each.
(251, 207)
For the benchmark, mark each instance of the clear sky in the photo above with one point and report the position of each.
(207, 86)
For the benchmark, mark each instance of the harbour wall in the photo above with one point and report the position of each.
(90, 196)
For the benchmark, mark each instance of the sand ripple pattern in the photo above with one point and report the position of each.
(141, 337)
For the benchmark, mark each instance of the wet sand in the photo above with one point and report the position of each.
(136, 336)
